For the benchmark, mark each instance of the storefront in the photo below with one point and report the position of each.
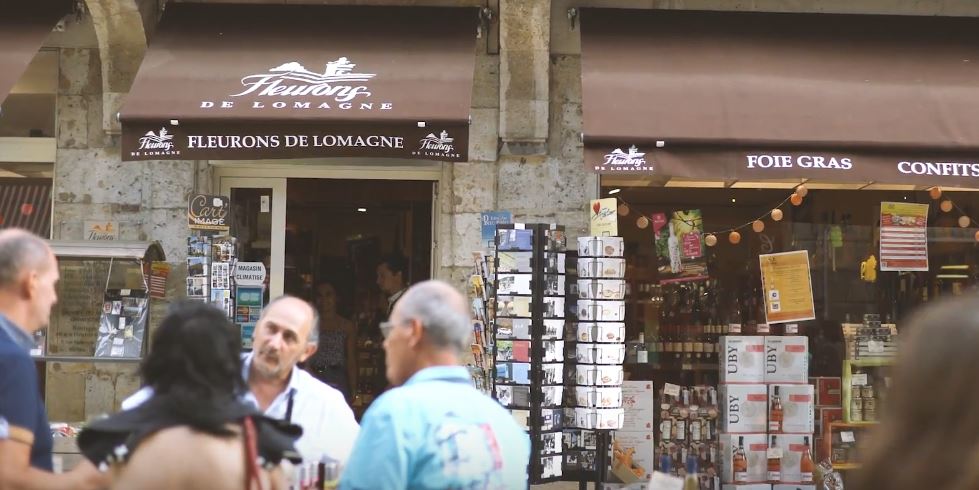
(328, 129)
(738, 142)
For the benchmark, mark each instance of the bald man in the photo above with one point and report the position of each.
(435, 430)
(287, 334)
(28, 275)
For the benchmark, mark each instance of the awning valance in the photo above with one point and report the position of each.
(749, 96)
(294, 81)
(23, 27)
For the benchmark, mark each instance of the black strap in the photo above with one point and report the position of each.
(289, 405)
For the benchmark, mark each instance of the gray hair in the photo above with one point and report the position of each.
(20, 250)
(314, 329)
(442, 311)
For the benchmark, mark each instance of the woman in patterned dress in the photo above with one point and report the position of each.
(335, 360)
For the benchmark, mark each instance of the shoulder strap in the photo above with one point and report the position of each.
(252, 471)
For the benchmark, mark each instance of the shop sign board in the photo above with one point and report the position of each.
(101, 230)
(211, 213)
(787, 285)
(250, 273)
(903, 236)
(488, 221)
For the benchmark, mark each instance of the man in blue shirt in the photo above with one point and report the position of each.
(435, 430)
(28, 274)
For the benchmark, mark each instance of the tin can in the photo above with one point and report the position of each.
(856, 410)
(867, 391)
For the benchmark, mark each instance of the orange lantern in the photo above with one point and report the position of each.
(710, 240)
(758, 226)
(777, 214)
(795, 199)
(946, 205)
(734, 238)
(935, 192)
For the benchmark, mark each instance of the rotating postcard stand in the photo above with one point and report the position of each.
(528, 348)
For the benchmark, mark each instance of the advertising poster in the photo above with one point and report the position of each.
(903, 236)
(787, 283)
(247, 311)
(488, 221)
(680, 246)
(604, 217)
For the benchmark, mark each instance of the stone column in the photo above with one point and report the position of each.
(524, 54)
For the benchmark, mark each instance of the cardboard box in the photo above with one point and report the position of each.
(756, 450)
(828, 415)
(744, 408)
(787, 359)
(798, 408)
(639, 402)
(643, 448)
(742, 359)
(792, 446)
(829, 391)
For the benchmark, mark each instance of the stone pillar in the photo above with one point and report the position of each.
(524, 54)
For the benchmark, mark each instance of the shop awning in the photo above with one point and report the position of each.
(298, 81)
(757, 96)
(23, 27)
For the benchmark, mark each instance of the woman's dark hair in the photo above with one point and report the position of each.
(396, 263)
(195, 363)
(929, 432)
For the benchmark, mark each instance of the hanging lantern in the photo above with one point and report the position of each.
(946, 205)
(977, 236)
(642, 222)
(758, 226)
(710, 240)
(734, 238)
(935, 192)
(802, 190)
(777, 214)
(795, 199)
(623, 210)
(964, 221)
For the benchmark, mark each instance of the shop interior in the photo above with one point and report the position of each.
(338, 231)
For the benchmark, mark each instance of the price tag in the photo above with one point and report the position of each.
(774, 453)
(875, 346)
(859, 379)
(671, 389)
(847, 436)
(763, 328)
(686, 367)
(791, 328)
(734, 328)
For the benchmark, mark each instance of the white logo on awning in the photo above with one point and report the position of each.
(154, 141)
(293, 79)
(634, 158)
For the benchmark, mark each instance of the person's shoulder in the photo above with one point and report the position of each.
(13, 359)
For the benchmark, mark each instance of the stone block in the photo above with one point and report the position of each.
(96, 135)
(524, 24)
(565, 78)
(566, 128)
(484, 135)
(169, 227)
(98, 176)
(72, 121)
(473, 187)
(466, 239)
(552, 184)
(80, 72)
(111, 105)
(524, 120)
(171, 183)
(486, 79)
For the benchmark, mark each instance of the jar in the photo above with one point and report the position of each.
(856, 410)
(867, 391)
(870, 410)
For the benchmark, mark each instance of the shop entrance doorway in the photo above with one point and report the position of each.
(323, 239)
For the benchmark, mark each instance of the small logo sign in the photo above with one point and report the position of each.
(437, 146)
(101, 230)
(209, 213)
(633, 159)
(157, 141)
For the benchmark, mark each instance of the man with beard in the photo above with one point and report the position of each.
(286, 334)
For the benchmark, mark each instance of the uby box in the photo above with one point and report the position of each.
(829, 391)
(744, 408)
(639, 402)
(798, 407)
(755, 449)
(787, 359)
(742, 359)
(792, 446)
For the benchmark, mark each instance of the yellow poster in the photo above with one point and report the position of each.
(787, 286)
(604, 220)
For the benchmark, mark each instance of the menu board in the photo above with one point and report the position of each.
(75, 318)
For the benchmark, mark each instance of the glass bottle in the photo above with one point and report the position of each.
(775, 413)
(805, 463)
(739, 462)
(774, 462)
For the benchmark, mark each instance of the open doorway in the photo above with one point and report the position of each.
(338, 233)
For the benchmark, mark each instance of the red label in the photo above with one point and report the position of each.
(797, 448)
(795, 348)
(758, 447)
(755, 348)
(757, 398)
(800, 398)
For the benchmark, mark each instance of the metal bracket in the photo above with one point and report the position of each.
(573, 17)
(489, 26)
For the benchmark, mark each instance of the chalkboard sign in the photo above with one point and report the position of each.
(75, 318)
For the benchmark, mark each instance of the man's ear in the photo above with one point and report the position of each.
(27, 284)
(308, 352)
(417, 333)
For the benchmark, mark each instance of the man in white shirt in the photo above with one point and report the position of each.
(286, 334)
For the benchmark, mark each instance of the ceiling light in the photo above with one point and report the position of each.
(362, 210)
(614, 191)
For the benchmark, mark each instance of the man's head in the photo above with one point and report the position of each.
(429, 325)
(392, 274)
(285, 335)
(28, 275)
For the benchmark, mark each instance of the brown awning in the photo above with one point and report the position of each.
(23, 27)
(734, 96)
(292, 81)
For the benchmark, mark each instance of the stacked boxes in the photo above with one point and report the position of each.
(688, 425)
(765, 393)
(829, 407)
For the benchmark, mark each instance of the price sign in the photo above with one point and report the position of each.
(859, 379)
(791, 328)
(671, 389)
(847, 436)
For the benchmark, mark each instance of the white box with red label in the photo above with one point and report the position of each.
(787, 359)
(742, 359)
(793, 446)
(639, 402)
(744, 408)
(798, 408)
(755, 447)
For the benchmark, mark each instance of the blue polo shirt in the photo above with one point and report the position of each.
(435, 432)
(22, 415)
